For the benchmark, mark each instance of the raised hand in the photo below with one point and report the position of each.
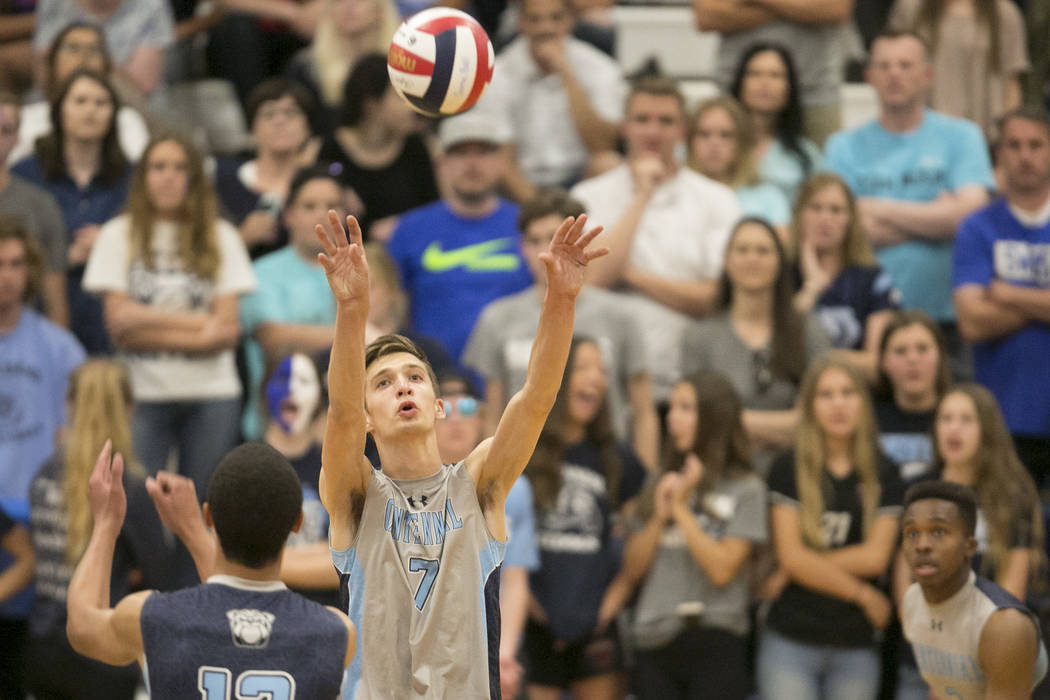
(343, 259)
(175, 498)
(567, 257)
(109, 503)
(690, 475)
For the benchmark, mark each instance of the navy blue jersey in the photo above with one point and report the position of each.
(233, 638)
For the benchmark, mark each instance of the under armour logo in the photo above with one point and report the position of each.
(422, 500)
(936, 625)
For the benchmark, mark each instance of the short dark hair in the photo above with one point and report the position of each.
(893, 34)
(658, 86)
(393, 343)
(549, 201)
(56, 44)
(962, 496)
(255, 498)
(318, 171)
(368, 80)
(1032, 113)
(12, 228)
(453, 375)
(274, 89)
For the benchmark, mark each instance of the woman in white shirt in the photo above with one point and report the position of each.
(170, 273)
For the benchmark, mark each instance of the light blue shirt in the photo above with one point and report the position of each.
(764, 200)
(942, 155)
(291, 290)
(782, 168)
(522, 549)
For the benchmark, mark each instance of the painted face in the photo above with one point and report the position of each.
(751, 259)
(837, 404)
(294, 393)
(87, 110)
(682, 417)
(825, 218)
(765, 85)
(957, 428)
(587, 383)
(911, 361)
(714, 144)
(935, 544)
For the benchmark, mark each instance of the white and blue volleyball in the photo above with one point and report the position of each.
(440, 61)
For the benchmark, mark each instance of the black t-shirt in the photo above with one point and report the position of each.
(853, 296)
(814, 618)
(405, 184)
(6, 524)
(579, 555)
(906, 438)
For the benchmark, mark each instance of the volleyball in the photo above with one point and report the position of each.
(440, 61)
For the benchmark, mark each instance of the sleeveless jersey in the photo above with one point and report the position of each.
(946, 636)
(233, 638)
(422, 585)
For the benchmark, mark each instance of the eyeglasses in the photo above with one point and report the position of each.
(465, 406)
(274, 112)
(75, 49)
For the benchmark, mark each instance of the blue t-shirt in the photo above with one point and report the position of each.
(452, 267)
(94, 204)
(764, 200)
(291, 290)
(942, 155)
(853, 296)
(521, 528)
(993, 244)
(17, 606)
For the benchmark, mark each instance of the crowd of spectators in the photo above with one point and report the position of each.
(795, 320)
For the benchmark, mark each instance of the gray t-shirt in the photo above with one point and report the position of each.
(501, 341)
(732, 508)
(818, 53)
(39, 211)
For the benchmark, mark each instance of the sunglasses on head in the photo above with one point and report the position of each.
(465, 406)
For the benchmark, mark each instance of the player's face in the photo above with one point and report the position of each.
(167, 178)
(957, 428)
(14, 273)
(837, 404)
(473, 169)
(399, 396)
(460, 431)
(1024, 154)
(714, 144)
(765, 86)
(87, 111)
(9, 119)
(825, 218)
(935, 546)
(682, 417)
(310, 207)
(280, 126)
(537, 238)
(80, 48)
(899, 72)
(587, 383)
(911, 361)
(352, 17)
(654, 126)
(752, 262)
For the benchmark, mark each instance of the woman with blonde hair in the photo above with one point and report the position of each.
(722, 146)
(170, 273)
(836, 273)
(100, 405)
(835, 509)
(346, 31)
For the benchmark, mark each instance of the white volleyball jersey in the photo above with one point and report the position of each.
(946, 637)
(421, 584)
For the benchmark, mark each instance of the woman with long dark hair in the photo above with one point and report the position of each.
(691, 560)
(581, 477)
(757, 339)
(766, 84)
(83, 167)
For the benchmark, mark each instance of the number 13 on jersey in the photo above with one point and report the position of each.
(214, 684)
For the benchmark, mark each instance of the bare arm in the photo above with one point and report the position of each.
(309, 567)
(937, 220)
(1007, 654)
(345, 471)
(596, 133)
(145, 68)
(495, 395)
(55, 300)
(498, 461)
(139, 327)
(1030, 302)
(1013, 576)
(18, 575)
(645, 424)
(513, 608)
(729, 16)
(110, 635)
(775, 428)
(20, 26)
(808, 11)
(719, 559)
(1013, 93)
(870, 558)
(867, 358)
(277, 338)
(175, 498)
(981, 319)
(693, 297)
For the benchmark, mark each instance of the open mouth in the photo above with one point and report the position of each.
(924, 569)
(407, 409)
(289, 411)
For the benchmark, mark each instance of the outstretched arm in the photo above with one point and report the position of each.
(498, 461)
(345, 471)
(110, 635)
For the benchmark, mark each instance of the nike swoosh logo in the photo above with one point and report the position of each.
(479, 257)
